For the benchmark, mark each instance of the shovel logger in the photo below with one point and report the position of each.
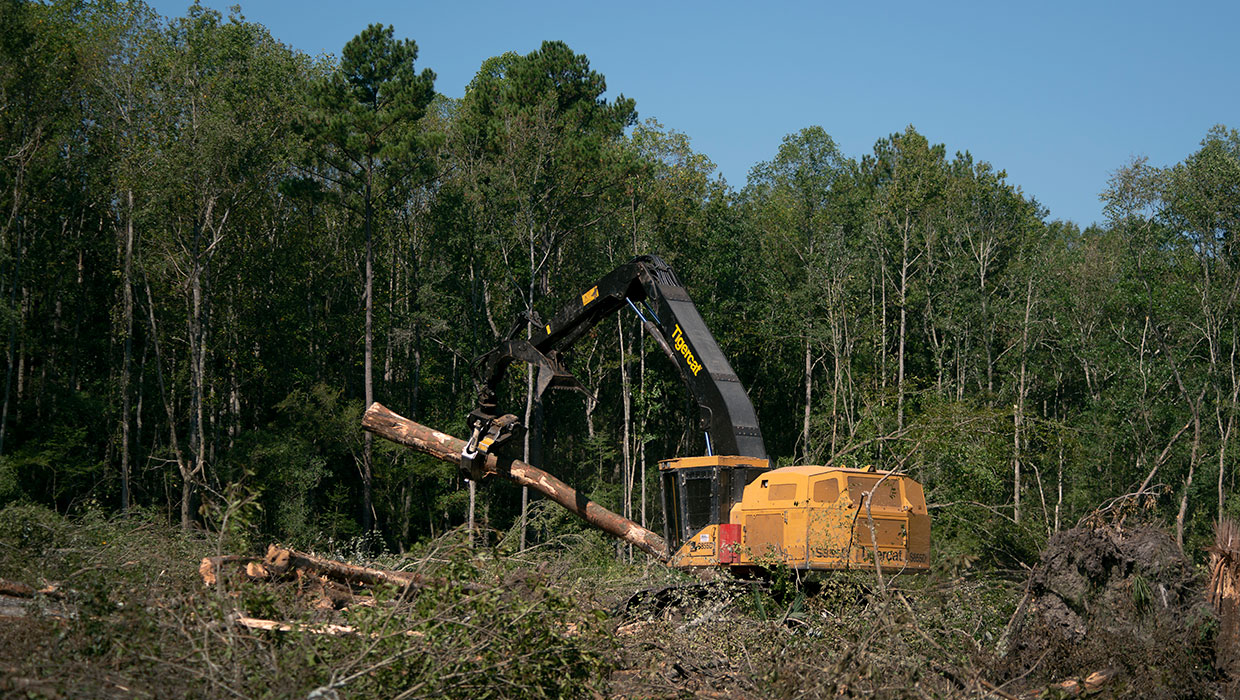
(727, 508)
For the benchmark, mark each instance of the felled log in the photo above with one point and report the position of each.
(1088, 684)
(209, 568)
(384, 423)
(280, 561)
(15, 589)
(255, 623)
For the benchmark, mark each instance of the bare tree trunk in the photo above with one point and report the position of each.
(1194, 407)
(525, 452)
(368, 300)
(1016, 419)
(905, 264)
(1224, 439)
(127, 362)
(529, 392)
(415, 392)
(8, 374)
(1059, 434)
(809, 387)
(197, 443)
(234, 402)
(961, 367)
(1194, 451)
(473, 495)
(1188, 485)
(415, 307)
(393, 293)
(1225, 428)
(1059, 498)
(641, 444)
(990, 355)
(182, 468)
(1018, 412)
(882, 349)
(836, 382)
(137, 408)
(626, 451)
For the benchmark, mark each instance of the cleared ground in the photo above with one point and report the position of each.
(129, 616)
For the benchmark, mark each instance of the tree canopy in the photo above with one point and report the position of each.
(214, 250)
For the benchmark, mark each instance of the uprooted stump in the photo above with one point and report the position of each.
(1224, 594)
(1106, 598)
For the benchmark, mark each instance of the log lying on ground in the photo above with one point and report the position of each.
(15, 589)
(255, 623)
(386, 424)
(279, 561)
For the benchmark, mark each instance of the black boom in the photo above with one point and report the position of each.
(650, 287)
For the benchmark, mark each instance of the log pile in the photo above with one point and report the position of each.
(330, 582)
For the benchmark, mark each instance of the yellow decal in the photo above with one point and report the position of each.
(589, 296)
(678, 340)
(548, 329)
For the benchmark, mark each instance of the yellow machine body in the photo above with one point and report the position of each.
(805, 517)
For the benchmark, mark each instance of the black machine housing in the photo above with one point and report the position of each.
(700, 491)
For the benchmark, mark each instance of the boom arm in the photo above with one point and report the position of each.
(725, 413)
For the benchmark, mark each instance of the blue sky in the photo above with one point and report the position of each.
(1058, 94)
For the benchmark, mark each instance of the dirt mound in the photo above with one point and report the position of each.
(1126, 600)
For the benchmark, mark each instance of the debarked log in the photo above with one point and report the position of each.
(387, 424)
(256, 623)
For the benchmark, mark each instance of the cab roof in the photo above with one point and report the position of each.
(816, 470)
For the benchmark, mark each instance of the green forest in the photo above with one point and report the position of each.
(216, 251)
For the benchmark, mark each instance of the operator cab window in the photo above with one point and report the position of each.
(699, 501)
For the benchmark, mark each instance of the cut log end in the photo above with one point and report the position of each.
(211, 567)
